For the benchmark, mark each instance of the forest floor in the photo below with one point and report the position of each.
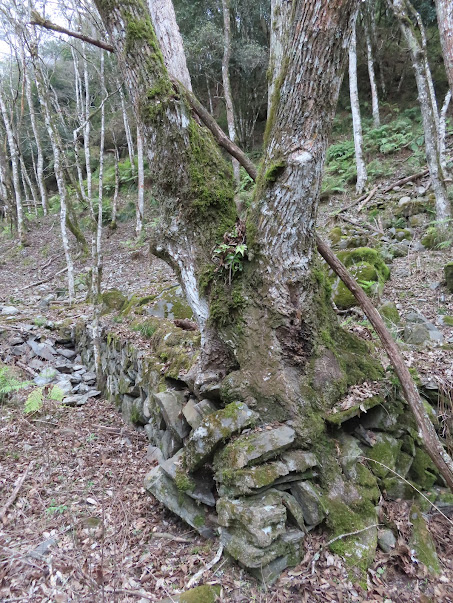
(82, 528)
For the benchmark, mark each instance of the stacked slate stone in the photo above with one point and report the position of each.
(227, 474)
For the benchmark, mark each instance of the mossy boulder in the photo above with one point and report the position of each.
(170, 304)
(335, 235)
(423, 471)
(422, 542)
(208, 593)
(385, 452)
(448, 274)
(410, 207)
(367, 267)
(112, 301)
(389, 313)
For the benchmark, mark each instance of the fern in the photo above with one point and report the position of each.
(34, 401)
(8, 383)
(56, 393)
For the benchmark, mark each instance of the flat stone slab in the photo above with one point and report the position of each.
(165, 490)
(310, 502)
(262, 516)
(199, 487)
(292, 466)
(215, 429)
(171, 404)
(195, 412)
(254, 448)
(250, 556)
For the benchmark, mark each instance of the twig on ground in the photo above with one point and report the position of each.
(15, 492)
(169, 536)
(45, 280)
(197, 577)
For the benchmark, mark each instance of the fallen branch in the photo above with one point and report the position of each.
(169, 536)
(26, 368)
(15, 492)
(45, 280)
(197, 577)
(38, 20)
(433, 446)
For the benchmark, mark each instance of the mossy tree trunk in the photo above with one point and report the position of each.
(445, 21)
(267, 328)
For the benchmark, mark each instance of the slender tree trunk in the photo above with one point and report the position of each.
(443, 134)
(445, 22)
(140, 207)
(58, 169)
(40, 157)
(81, 118)
(127, 129)
(372, 76)
(280, 14)
(117, 185)
(27, 182)
(86, 79)
(443, 209)
(208, 88)
(226, 81)
(356, 118)
(97, 259)
(14, 158)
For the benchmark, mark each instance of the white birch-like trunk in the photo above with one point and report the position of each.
(443, 208)
(86, 141)
(443, 134)
(372, 76)
(117, 185)
(97, 259)
(141, 185)
(28, 184)
(40, 157)
(81, 118)
(445, 22)
(226, 82)
(280, 15)
(127, 129)
(14, 158)
(59, 174)
(356, 119)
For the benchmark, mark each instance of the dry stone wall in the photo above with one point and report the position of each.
(226, 473)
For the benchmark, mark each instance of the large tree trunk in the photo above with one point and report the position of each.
(445, 22)
(267, 323)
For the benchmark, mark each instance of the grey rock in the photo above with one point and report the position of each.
(416, 334)
(69, 354)
(42, 350)
(294, 510)
(199, 486)
(170, 444)
(254, 448)
(20, 350)
(75, 400)
(194, 412)
(164, 489)
(309, 499)
(399, 250)
(171, 404)
(154, 454)
(250, 556)
(350, 452)
(16, 340)
(404, 201)
(132, 411)
(65, 386)
(215, 429)
(9, 311)
(64, 367)
(262, 517)
(46, 376)
(89, 377)
(75, 378)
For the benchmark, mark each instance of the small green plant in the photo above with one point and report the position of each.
(232, 257)
(9, 383)
(37, 397)
(56, 509)
(145, 329)
(40, 321)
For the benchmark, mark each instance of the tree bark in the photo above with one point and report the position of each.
(140, 206)
(356, 118)
(445, 22)
(226, 81)
(418, 56)
(14, 158)
(372, 76)
(266, 324)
